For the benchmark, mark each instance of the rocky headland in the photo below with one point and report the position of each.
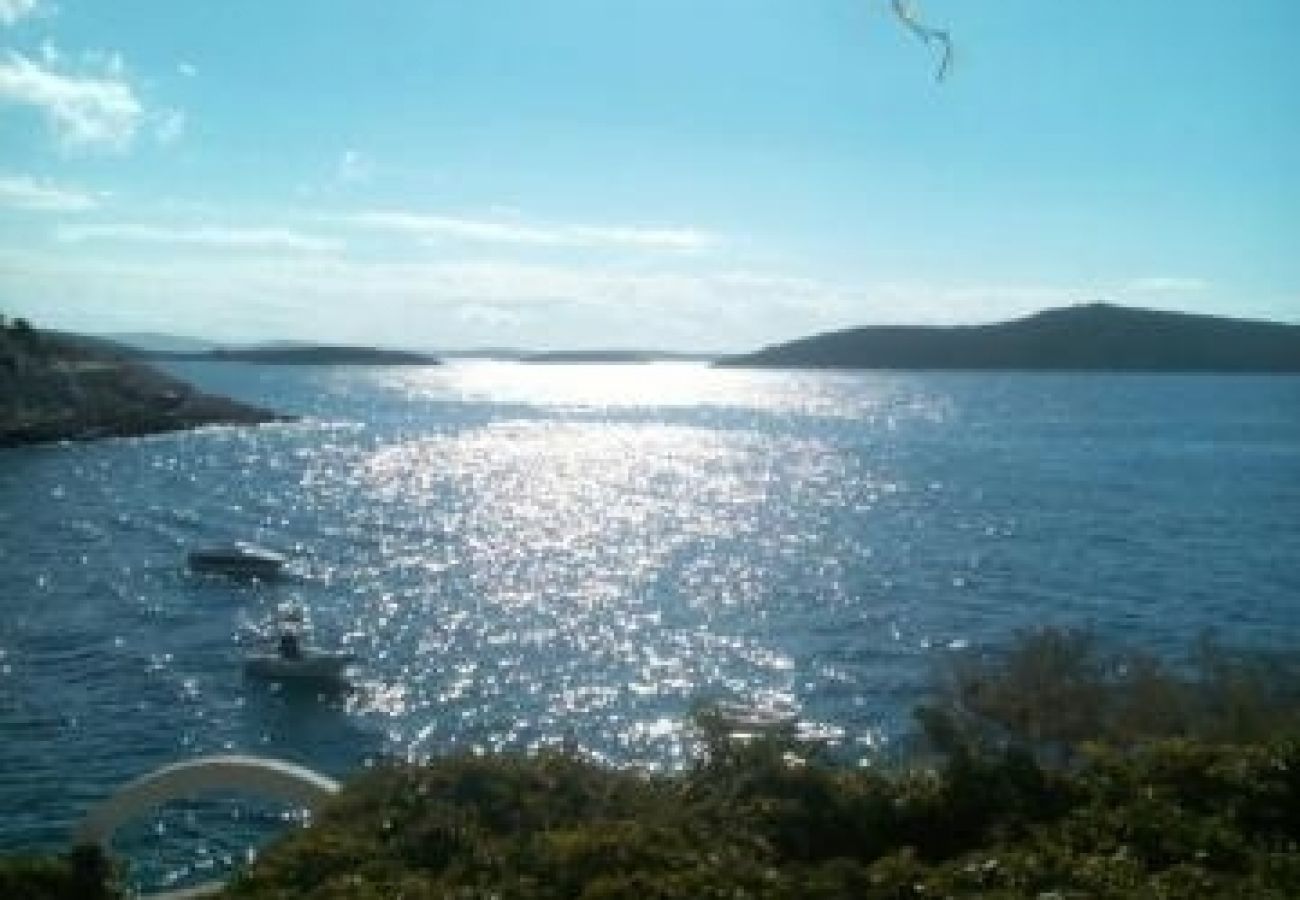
(58, 387)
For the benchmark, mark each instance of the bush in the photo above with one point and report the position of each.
(1170, 819)
(83, 874)
(1052, 691)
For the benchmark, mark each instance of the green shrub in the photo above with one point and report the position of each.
(1169, 819)
(83, 874)
(1053, 690)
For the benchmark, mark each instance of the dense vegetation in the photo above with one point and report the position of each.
(83, 874)
(1175, 820)
(1057, 769)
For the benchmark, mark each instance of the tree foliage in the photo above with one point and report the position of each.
(1052, 691)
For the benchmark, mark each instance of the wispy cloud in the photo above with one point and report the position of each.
(329, 297)
(499, 301)
(276, 239)
(1165, 284)
(436, 228)
(13, 10)
(81, 110)
(189, 70)
(25, 192)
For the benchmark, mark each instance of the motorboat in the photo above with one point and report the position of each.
(750, 719)
(311, 664)
(240, 559)
(292, 659)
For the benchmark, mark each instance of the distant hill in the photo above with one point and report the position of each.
(492, 354)
(1096, 337)
(156, 342)
(56, 386)
(309, 355)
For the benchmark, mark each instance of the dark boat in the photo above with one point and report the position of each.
(239, 559)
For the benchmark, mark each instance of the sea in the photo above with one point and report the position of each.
(530, 556)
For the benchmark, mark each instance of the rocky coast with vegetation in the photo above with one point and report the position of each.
(1052, 768)
(60, 387)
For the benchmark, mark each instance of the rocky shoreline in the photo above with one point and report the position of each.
(57, 387)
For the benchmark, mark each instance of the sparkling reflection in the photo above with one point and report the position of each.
(583, 577)
(887, 400)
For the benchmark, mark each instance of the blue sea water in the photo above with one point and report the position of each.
(517, 553)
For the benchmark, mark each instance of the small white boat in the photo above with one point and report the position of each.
(239, 559)
(755, 718)
(293, 660)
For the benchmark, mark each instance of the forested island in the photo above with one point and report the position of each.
(1095, 337)
(56, 387)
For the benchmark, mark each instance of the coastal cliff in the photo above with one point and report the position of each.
(56, 387)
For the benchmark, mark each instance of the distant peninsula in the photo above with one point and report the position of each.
(56, 387)
(305, 355)
(1094, 337)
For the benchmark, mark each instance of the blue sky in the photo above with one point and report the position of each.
(711, 174)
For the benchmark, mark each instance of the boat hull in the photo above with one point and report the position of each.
(238, 561)
(310, 667)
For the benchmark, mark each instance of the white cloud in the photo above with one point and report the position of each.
(81, 110)
(25, 192)
(335, 298)
(169, 127)
(204, 236)
(662, 238)
(502, 302)
(1165, 284)
(294, 287)
(435, 228)
(189, 70)
(13, 10)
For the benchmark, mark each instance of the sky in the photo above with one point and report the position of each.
(683, 174)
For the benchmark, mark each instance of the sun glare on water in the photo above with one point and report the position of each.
(591, 571)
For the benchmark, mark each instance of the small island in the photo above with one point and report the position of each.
(59, 387)
(1097, 337)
